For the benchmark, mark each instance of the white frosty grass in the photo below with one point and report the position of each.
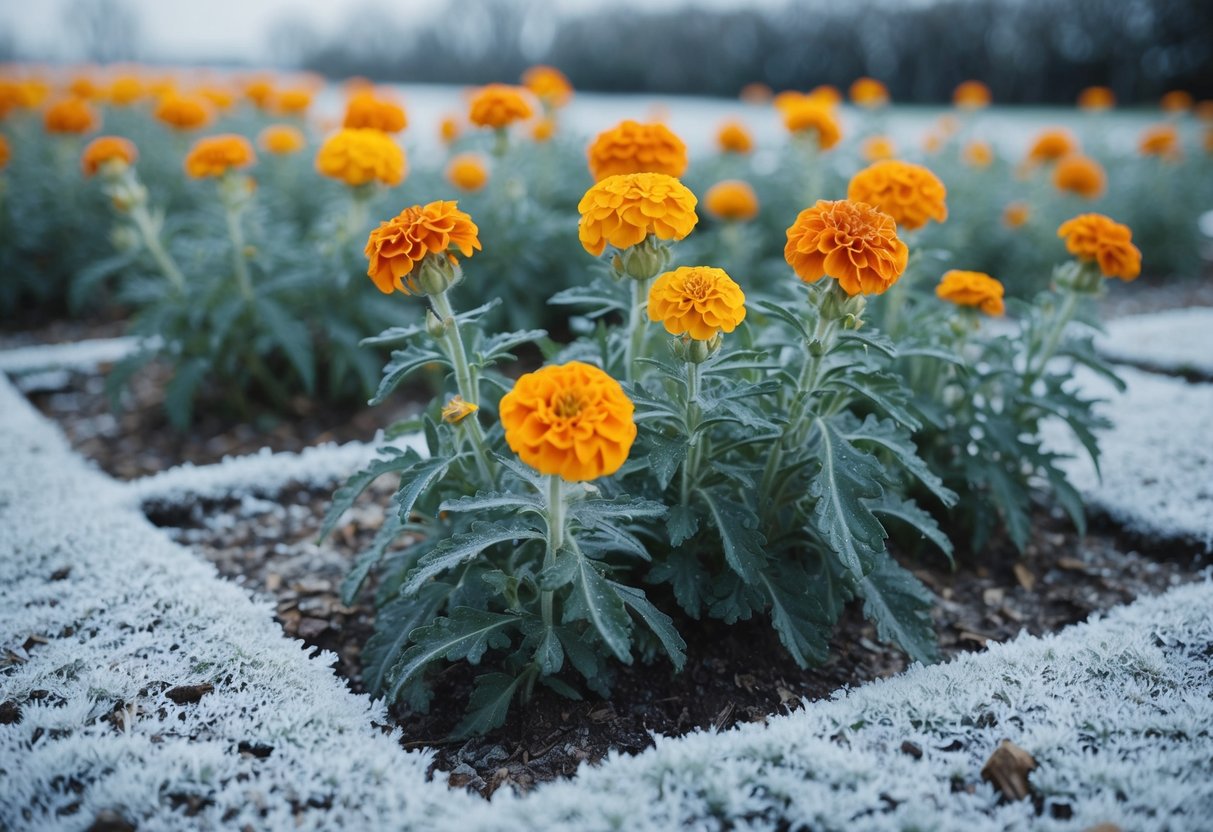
(1156, 461)
(79, 356)
(1180, 340)
(1118, 712)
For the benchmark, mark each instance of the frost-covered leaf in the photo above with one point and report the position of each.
(797, 615)
(416, 480)
(593, 598)
(394, 621)
(487, 500)
(908, 512)
(900, 606)
(657, 621)
(489, 704)
(889, 436)
(740, 536)
(681, 524)
(467, 634)
(846, 480)
(665, 455)
(396, 460)
(459, 548)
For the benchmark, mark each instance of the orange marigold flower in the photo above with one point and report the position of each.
(25, 94)
(868, 92)
(1096, 98)
(549, 85)
(1160, 140)
(456, 410)
(809, 115)
(83, 86)
(734, 137)
(975, 289)
(498, 106)
(697, 301)
(971, 95)
(398, 246)
(295, 101)
(216, 155)
(570, 420)
(1176, 101)
(932, 143)
(787, 98)
(219, 97)
(543, 129)
(260, 91)
(364, 109)
(978, 154)
(877, 148)
(107, 149)
(5, 152)
(623, 210)
(1051, 145)
(756, 93)
(1095, 238)
(184, 112)
(908, 193)
(827, 94)
(467, 172)
(357, 156)
(851, 242)
(632, 147)
(70, 116)
(281, 139)
(448, 129)
(731, 200)
(1078, 174)
(1016, 214)
(125, 90)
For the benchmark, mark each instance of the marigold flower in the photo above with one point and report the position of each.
(1080, 175)
(734, 137)
(1176, 101)
(697, 301)
(281, 139)
(549, 85)
(295, 101)
(25, 94)
(1095, 238)
(731, 200)
(70, 116)
(827, 94)
(218, 97)
(357, 156)
(216, 155)
(456, 410)
(756, 93)
(569, 420)
(1051, 145)
(978, 154)
(877, 148)
(398, 246)
(1160, 140)
(5, 152)
(1208, 140)
(1016, 214)
(975, 289)
(1096, 98)
(467, 172)
(543, 129)
(623, 210)
(364, 109)
(260, 91)
(869, 93)
(498, 106)
(908, 193)
(125, 90)
(106, 149)
(83, 86)
(808, 115)
(632, 147)
(849, 241)
(184, 112)
(448, 129)
(932, 143)
(786, 98)
(971, 95)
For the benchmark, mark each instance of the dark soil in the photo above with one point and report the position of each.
(733, 674)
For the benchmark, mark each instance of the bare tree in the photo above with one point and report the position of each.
(106, 30)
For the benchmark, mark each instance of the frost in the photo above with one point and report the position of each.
(80, 356)
(1180, 340)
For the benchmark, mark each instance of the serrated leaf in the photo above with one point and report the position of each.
(882, 390)
(589, 513)
(594, 599)
(1013, 501)
(345, 496)
(488, 706)
(665, 457)
(393, 335)
(682, 523)
(294, 338)
(370, 558)
(688, 579)
(467, 633)
(797, 616)
(549, 655)
(608, 539)
(415, 480)
(777, 311)
(842, 486)
(499, 346)
(458, 548)
(657, 621)
(402, 364)
(394, 621)
(908, 512)
(740, 537)
(486, 500)
(897, 441)
(900, 606)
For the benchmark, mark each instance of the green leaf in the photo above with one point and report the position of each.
(777, 311)
(489, 704)
(908, 512)
(665, 457)
(467, 633)
(392, 336)
(739, 533)
(403, 364)
(594, 599)
(415, 480)
(294, 338)
(499, 346)
(397, 460)
(842, 486)
(797, 615)
(682, 524)
(589, 513)
(394, 621)
(601, 297)
(486, 500)
(900, 606)
(369, 559)
(181, 390)
(1013, 500)
(887, 435)
(605, 538)
(682, 570)
(549, 655)
(657, 621)
(882, 390)
(458, 548)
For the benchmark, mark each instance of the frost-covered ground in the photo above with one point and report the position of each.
(1180, 340)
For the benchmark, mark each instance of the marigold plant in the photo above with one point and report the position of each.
(1081, 175)
(399, 246)
(114, 151)
(810, 117)
(732, 200)
(498, 106)
(1096, 99)
(623, 210)
(294, 101)
(281, 139)
(1051, 145)
(1016, 214)
(357, 156)
(125, 90)
(70, 116)
(214, 156)
(1160, 140)
(869, 93)
(632, 147)
(468, 172)
(184, 112)
(1176, 101)
(367, 110)
(974, 289)
(549, 85)
(733, 137)
(543, 129)
(909, 193)
(971, 95)
(1100, 240)
(850, 241)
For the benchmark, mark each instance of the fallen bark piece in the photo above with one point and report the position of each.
(1007, 770)
(188, 694)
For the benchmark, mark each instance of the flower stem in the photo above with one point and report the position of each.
(690, 465)
(555, 516)
(464, 383)
(636, 327)
(146, 227)
(236, 233)
(1068, 307)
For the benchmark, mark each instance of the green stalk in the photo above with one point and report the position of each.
(554, 514)
(146, 227)
(690, 465)
(636, 326)
(467, 388)
(235, 233)
(1068, 307)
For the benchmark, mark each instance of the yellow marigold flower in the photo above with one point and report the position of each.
(364, 109)
(978, 154)
(184, 112)
(851, 242)
(908, 193)
(870, 93)
(975, 289)
(125, 90)
(260, 91)
(25, 94)
(827, 94)
(543, 129)
(569, 420)
(281, 139)
(971, 95)
(70, 116)
(1016, 214)
(756, 93)
(358, 156)
(623, 210)
(697, 301)
(83, 86)
(731, 200)
(449, 129)
(1095, 238)
(498, 106)
(107, 149)
(456, 410)
(932, 143)
(877, 148)
(1160, 140)
(295, 101)
(5, 152)
(1051, 145)
(549, 85)
(218, 97)
(216, 155)
(1078, 174)
(734, 137)
(1176, 101)
(809, 115)
(467, 172)
(1096, 98)
(785, 99)
(399, 245)
(632, 147)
